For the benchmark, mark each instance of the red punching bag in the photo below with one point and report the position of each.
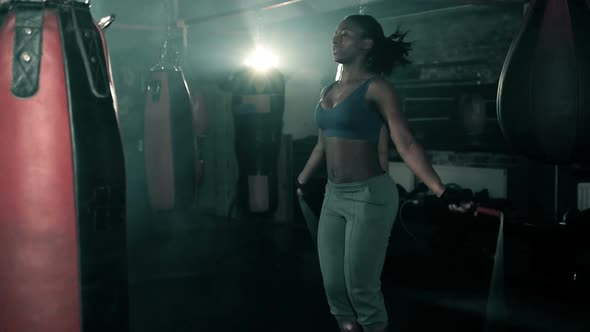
(63, 264)
(544, 89)
(169, 143)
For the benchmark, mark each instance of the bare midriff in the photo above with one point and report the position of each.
(350, 160)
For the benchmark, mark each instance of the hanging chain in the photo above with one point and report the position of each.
(172, 46)
(258, 27)
(363, 7)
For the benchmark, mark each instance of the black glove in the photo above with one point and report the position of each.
(301, 187)
(456, 197)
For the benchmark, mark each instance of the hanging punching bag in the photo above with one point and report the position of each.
(63, 262)
(258, 105)
(543, 100)
(200, 128)
(169, 143)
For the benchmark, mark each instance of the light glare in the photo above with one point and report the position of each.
(262, 59)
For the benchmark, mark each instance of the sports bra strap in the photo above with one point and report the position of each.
(328, 88)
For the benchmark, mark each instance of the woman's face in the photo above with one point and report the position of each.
(349, 42)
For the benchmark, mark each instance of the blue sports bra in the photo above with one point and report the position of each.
(352, 118)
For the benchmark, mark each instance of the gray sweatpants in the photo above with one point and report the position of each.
(353, 235)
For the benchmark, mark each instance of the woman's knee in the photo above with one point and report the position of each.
(335, 289)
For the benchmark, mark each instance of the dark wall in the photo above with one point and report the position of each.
(449, 91)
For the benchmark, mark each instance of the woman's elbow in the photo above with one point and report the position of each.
(406, 149)
(402, 147)
(319, 148)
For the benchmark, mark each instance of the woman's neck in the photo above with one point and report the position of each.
(354, 72)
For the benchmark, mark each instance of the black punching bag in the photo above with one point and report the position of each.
(169, 140)
(258, 105)
(63, 261)
(544, 89)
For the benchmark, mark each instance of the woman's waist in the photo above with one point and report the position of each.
(378, 189)
(352, 169)
(353, 178)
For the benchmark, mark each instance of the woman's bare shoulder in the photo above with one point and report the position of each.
(379, 88)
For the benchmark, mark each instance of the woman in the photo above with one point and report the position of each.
(356, 117)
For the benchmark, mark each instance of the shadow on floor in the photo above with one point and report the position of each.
(203, 273)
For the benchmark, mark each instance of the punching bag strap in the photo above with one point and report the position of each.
(4, 7)
(3, 11)
(26, 63)
(90, 45)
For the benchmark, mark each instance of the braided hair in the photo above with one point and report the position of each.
(387, 52)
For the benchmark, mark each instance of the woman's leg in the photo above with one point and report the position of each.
(367, 238)
(331, 246)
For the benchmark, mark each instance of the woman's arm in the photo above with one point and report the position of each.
(382, 94)
(383, 149)
(314, 160)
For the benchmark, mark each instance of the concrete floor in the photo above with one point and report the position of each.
(197, 272)
(202, 273)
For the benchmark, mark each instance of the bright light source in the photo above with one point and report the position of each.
(262, 59)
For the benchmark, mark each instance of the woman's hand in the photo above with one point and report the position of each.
(299, 193)
(300, 188)
(456, 200)
(461, 208)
